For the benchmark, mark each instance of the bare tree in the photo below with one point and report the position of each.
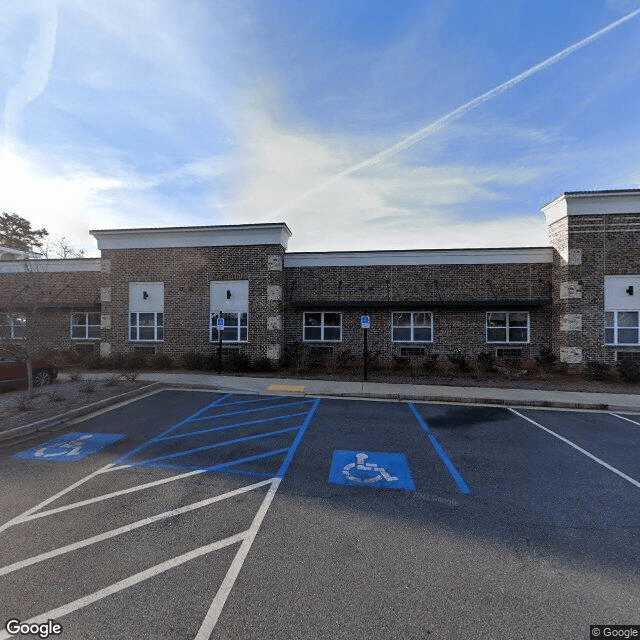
(23, 332)
(61, 248)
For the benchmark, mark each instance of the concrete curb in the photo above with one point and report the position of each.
(55, 423)
(407, 397)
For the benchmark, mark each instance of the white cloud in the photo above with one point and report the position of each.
(35, 71)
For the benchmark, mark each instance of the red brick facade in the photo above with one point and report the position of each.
(592, 235)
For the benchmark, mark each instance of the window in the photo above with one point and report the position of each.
(85, 326)
(12, 327)
(621, 327)
(235, 327)
(323, 327)
(412, 326)
(231, 298)
(508, 326)
(146, 326)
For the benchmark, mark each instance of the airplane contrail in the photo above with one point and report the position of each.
(457, 113)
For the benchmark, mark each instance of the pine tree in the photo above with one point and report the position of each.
(16, 233)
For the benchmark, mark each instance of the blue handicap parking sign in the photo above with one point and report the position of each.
(70, 447)
(372, 469)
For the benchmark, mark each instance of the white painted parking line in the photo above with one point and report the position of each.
(245, 538)
(580, 449)
(210, 620)
(113, 494)
(129, 527)
(44, 503)
(131, 581)
(624, 418)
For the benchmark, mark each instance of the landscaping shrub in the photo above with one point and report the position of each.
(461, 361)
(401, 364)
(597, 370)
(373, 359)
(130, 376)
(345, 359)
(292, 354)
(629, 370)
(430, 364)
(263, 365)
(87, 386)
(114, 361)
(75, 376)
(238, 363)
(54, 396)
(112, 381)
(195, 360)
(546, 359)
(25, 403)
(486, 360)
(134, 361)
(162, 361)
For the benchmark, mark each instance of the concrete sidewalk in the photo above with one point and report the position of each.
(408, 392)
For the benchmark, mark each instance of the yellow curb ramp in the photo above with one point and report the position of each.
(293, 388)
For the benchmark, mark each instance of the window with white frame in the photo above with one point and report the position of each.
(322, 327)
(508, 327)
(622, 327)
(146, 326)
(231, 298)
(85, 326)
(12, 326)
(146, 311)
(412, 326)
(235, 327)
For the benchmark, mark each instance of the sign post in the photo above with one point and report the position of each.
(365, 323)
(220, 325)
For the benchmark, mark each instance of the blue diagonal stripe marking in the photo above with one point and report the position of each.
(216, 467)
(260, 399)
(462, 485)
(292, 450)
(225, 415)
(124, 457)
(217, 445)
(186, 434)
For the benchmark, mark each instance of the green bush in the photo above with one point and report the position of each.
(461, 361)
(263, 365)
(292, 354)
(546, 359)
(430, 364)
(134, 361)
(401, 363)
(345, 359)
(162, 361)
(597, 370)
(195, 360)
(486, 360)
(629, 370)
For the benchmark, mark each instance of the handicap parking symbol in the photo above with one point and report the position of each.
(372, 469)
(70, 447)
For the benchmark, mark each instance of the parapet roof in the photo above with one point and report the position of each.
(201, 236)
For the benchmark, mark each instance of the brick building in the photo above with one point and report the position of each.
(162, 291)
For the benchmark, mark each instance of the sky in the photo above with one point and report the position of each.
(150, 113)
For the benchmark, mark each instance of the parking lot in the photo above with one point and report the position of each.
(191, 514)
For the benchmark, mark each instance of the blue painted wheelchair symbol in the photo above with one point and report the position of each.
(371, 469)
(70, 447)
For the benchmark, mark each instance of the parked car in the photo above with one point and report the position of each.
(13, 371)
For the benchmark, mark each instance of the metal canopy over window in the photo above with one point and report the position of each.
(424, 304)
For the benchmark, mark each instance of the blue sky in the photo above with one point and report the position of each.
(161, 113)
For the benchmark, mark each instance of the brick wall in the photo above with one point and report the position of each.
(589, 247)
(437, 285)
(187, 273)
(48, 299)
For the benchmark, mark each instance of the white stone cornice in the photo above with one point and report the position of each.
(213, 236)
(420, 257)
